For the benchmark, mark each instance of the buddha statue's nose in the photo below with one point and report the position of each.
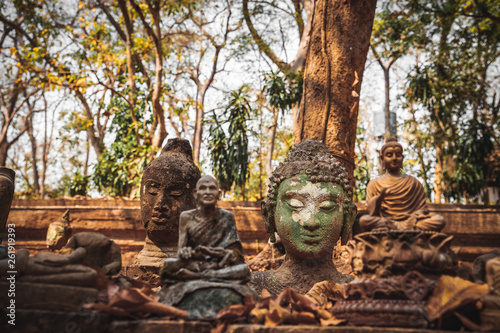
(310, 222)
(163, 203)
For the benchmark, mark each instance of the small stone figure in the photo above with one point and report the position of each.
(166, 188)
(100, 251)
(59, 232)
(395, 200)
(209, 246)
(209, 273)
(309, 206)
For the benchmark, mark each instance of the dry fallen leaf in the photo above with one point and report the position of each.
(137, 303)
(331, 322)
(265, 293)
(451, 293)
(257, 315)
(303, 318)
(323, 291)
(129, 297)
(297, 301)
(277, 314)
(324, 314)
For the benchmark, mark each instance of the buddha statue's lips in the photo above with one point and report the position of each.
(160, 218)
(311, 238)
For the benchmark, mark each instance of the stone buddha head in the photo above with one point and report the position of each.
(309, 202)
(166, 191)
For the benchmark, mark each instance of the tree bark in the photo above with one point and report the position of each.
(438, 175)
(270, 148)
(335, 63)
(34, 146)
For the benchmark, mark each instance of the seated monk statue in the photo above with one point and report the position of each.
(309, 207)
(395, 200)
(209, 246)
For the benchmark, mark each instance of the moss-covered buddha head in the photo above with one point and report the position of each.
(309, 201)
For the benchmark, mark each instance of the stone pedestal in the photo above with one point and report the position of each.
(46, 296)
(41, 321)
(203, 299)
(396, 271)
(159, 326)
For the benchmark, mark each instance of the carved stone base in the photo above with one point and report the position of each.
(382, 312)
(384, 253)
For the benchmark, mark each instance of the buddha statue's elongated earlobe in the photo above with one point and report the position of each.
(268, 220)
(349, 217)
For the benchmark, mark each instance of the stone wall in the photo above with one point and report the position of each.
(476, 228)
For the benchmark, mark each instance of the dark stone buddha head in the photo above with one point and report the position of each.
(166, 190)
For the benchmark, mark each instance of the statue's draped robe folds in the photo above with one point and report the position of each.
(216, 233)
(404, 207)
(219, 232)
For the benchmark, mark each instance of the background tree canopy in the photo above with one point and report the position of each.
(91, 89)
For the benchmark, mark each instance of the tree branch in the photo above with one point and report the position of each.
(263, 46)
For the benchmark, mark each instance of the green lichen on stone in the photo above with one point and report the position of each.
(206, 303)
(309, 215)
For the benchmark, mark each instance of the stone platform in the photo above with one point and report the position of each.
(46, 296)
(319, 329)
(39, 321)
(476, 228)
(42, 321)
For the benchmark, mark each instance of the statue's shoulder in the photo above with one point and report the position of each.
(223, 213)
(411, 179)
(188, 213)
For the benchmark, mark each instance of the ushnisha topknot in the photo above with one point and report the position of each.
(390, 141)
(311, 157)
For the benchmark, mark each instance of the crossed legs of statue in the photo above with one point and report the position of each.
(189, 269)
(413, 222)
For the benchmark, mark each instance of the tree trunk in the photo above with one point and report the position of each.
(387, 106)
(36, 177)
(198, 132)
(270, 148)
(45, 151)
(438, 175)
(334, 68)
(4, 147)
(95, 140)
